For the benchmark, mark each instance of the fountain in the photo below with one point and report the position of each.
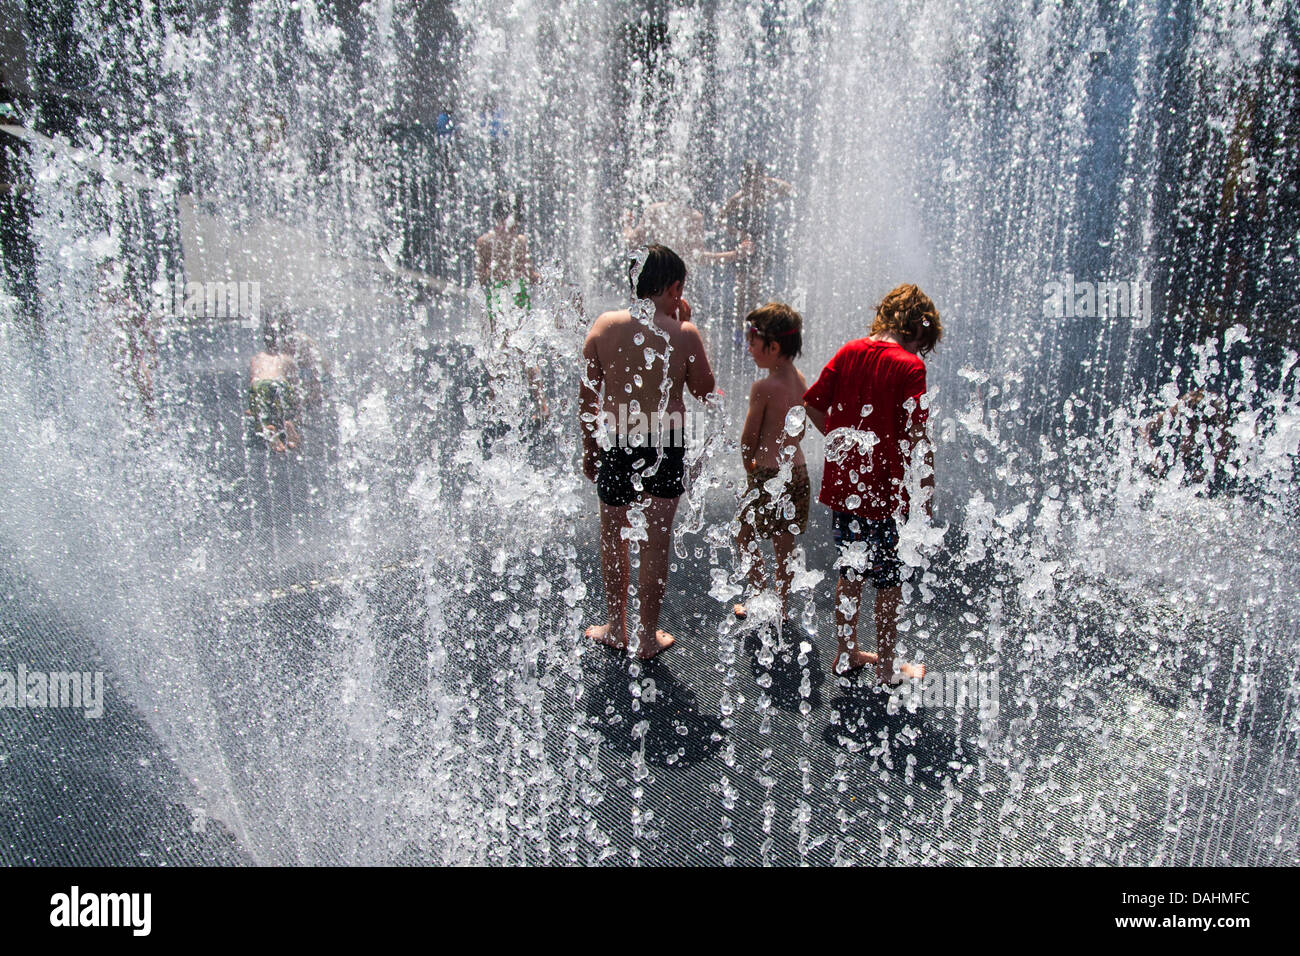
(368, 649)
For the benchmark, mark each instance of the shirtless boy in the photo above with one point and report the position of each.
(745, 216)
(775, 339)
(875, 385)
(501, 262)
(272, 374)
(636, 361)
(677, 225)
(503, 268)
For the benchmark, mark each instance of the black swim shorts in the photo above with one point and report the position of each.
(622, 469)
(868, 548)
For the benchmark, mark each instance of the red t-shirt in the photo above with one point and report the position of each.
(878, 378)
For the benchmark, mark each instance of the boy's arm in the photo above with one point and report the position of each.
(589, 417)
(743, 248)
(816, 416)
(753, 430)
(781, 186)
(699, 374)
(817, 399)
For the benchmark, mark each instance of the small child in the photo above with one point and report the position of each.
(775, 505)
(272, 403)
(884, 376)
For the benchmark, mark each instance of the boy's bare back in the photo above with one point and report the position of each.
(501, 256)
(773, 396)
(268, 366)
(616, 351)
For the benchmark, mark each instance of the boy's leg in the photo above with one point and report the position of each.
(887, 604)
(750, 562)
(887, 601)
(615, 570)
(784, 547)
(751, 557)
(653, 579)
(538, 391)
(848, 599)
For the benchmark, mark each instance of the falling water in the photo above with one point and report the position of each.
(369, 649)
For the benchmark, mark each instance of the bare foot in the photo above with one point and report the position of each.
(652, 647)
(902, 670)
(847, 661)
(601, 634)
(739, 611)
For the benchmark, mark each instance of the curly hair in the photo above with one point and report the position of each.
(909, 313)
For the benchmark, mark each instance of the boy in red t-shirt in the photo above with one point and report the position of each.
(868, 401)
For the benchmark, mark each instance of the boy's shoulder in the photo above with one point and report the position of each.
(692, 330)
(786, 389)
(607, 320)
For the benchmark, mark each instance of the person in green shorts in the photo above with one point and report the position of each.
(272, 399)
(502, 265)
(504, 269)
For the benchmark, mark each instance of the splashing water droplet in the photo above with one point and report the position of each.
(794, 420)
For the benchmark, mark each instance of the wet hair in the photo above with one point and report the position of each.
(662, 267)
(503, 207)
(909, 313)
(777, 322)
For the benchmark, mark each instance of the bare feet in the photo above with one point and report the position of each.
(902, 670)
(660, 643)
(739, 611)
(601, 634)
(847, 661)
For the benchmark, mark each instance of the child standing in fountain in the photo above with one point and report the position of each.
(636, 366)
(869, 402)
(272, 402)
(775, 504)
(504, 268)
